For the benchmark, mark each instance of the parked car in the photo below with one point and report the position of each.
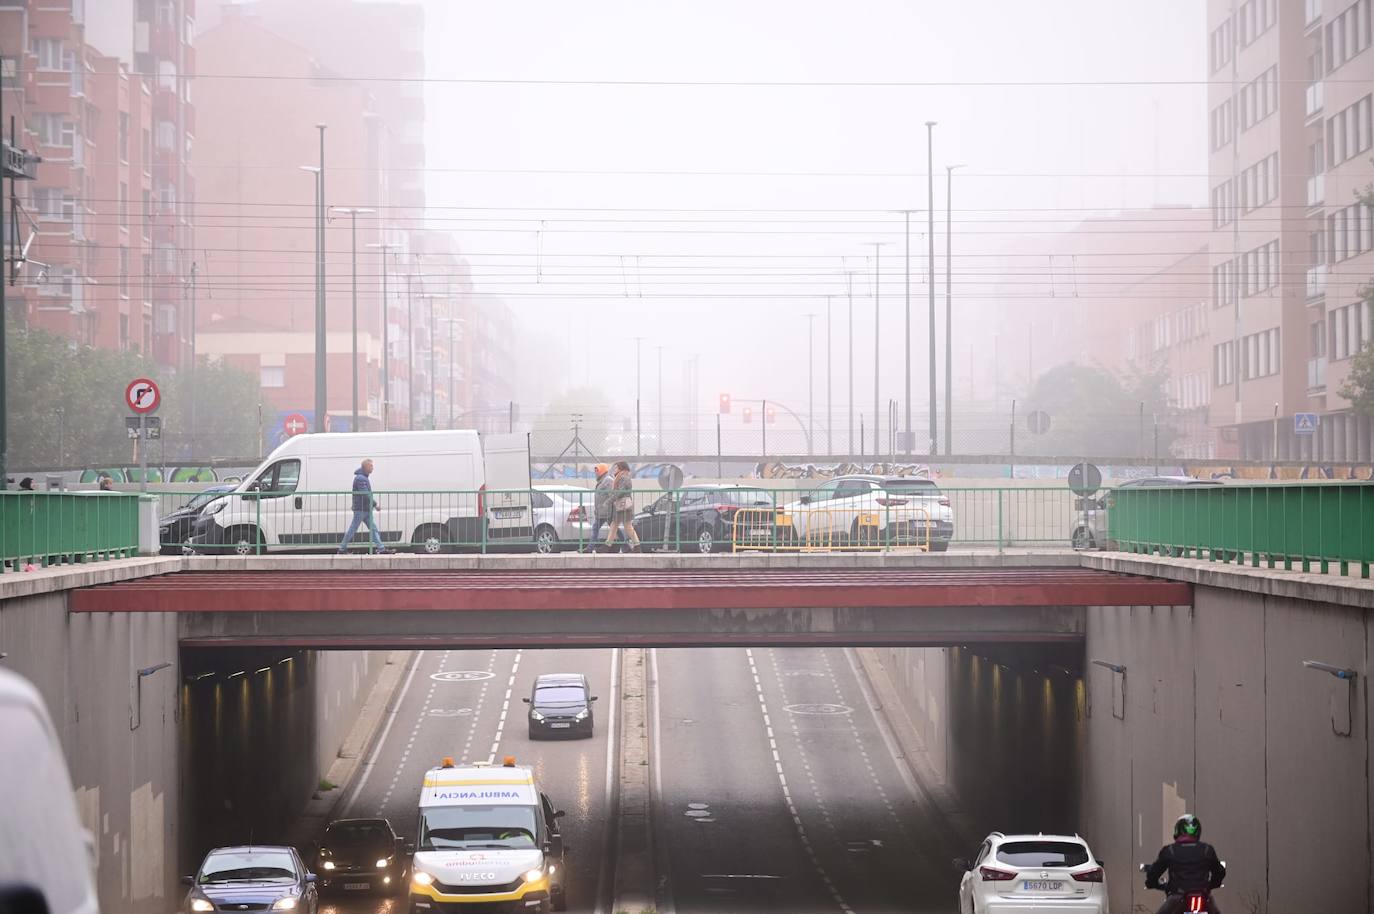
(360, 855)
(560, 705)
(905, 509)
(257, 878)
(176, 529)
(562, 518)
(703, 518)
(1090, 517)
(1022, 874)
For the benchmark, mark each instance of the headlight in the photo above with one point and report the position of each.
(534, 875)
(285, 904)
(217, 507)
(200, 904)
(381, 864)
(420, 877)
(535, 715)
(582, 715)
(328, 865)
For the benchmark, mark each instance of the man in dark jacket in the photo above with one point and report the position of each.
(363, 506)
(1191, 863)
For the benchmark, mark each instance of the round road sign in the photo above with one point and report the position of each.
(1038, 422)
(295, 424)
(142, 395)
(1085, 479)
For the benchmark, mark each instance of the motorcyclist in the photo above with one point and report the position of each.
(1192, 865)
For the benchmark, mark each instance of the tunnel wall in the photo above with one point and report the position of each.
(122, 759)
(1215, 714)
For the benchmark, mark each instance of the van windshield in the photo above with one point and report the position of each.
(443, 827)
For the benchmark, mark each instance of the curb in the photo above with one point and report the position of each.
(361, 736)
(633, 887)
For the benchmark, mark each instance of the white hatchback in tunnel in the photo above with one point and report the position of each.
(1020, 874)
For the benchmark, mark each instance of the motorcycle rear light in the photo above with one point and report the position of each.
(1197, 904)
(1089, 876)
(992, 874)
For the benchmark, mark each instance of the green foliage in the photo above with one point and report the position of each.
(1094, 413)
(1358, 386)
(66, 406)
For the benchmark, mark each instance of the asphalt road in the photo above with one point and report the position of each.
(779, 791)
(467, 704)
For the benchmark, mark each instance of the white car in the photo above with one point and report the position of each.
(1021, 874)
(562, 517)
(834, 512)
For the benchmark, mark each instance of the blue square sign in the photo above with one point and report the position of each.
(1305, 423)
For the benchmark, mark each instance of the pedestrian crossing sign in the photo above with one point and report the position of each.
(1305, 423)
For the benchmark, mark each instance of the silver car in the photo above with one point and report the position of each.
(1090, 520)
(562, 518)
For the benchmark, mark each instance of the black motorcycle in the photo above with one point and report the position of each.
(1195, 901)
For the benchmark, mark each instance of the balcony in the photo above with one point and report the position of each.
(1316, 281)
(1316, 99)
(1316, 374)
(1316, 190)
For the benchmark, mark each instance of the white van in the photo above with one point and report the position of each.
(434, 491)
(43, 847)
(487, 837)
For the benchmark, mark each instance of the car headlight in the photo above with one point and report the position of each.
(420, 877)
(582, 715)
(534, 875)
(381, 864)
(285, 904)
(200, 904)
(217, 507)
(328, 865)
(535, 715)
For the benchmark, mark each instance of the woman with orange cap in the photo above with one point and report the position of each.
(601, 503)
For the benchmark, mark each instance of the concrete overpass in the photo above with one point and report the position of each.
(588, 601)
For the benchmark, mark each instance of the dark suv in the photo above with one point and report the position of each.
(703, 518)
(560, 705)
(359, 855)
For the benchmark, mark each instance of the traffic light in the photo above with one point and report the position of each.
(725, 404)
(772, 415)
(748, 415)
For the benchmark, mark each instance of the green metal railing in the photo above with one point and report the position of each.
(50, 528)
(1278, 524)
(683, 520)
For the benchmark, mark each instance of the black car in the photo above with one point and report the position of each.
(360, 855)
(560, 705)
(258, 878)
(178, 527)
(708, 519)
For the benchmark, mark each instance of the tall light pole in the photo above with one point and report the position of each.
(352, 212)
(829, 388)
(433, 364)
(639, 439)
(660, 399)
(321, 400)
(877, 311)
(810, 378)
(930, 266)
(849, 286)
(382, 248)
(906, 334)
(450, 320)
(410, 354)
(949, 314)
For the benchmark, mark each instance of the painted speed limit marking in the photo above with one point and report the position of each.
(462, 675)
(819, 709)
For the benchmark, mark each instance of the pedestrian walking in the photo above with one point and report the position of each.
(364, 508)
(623, 507)
(601, 501)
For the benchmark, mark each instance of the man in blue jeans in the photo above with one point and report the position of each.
(363, 506)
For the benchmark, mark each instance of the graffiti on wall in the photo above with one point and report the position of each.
(1261, 473)
(774, 470)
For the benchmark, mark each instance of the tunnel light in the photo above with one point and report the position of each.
(1338, 672)
(198, 677)
(239, 673)
(285, 660)
(263, 670)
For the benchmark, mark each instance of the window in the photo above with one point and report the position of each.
(123, 205)
(124, 332)
(166, 135)
(1350, 329)
(1317, 339)
(1223, 204)
(1348, 132)
(166, 319)
(1222, 127)
(537, 499)
(123, 136)
(54, 130)
(1223, 364)
(692, 498)
(147, 148)
(1224, 284)
(1259, 184)
(124, 271)
(1034, 854)
(1350, 231)
(851, 488)
(1260, 354)
(1259, 269)
(1259, 98)
(1222, 46)
(54, 204)
(147, 213)
(272, 376)
(1347, 34)
(49, 53)
(280, 478)
(147, 277)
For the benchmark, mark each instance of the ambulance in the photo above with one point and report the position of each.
(489, 838)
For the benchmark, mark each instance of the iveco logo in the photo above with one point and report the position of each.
(487, 876)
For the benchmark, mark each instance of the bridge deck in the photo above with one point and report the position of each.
(602, 588)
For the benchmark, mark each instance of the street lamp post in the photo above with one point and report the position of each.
(930, 266)
(382, 248)
(849, 286)
(810, 379)
(352, 213)
(906, 332)
(450, 320)
(410, 355)
(877, 312)
(829, 388)
(321, 400)
(660, 400)
(639, 440)
(949, 314)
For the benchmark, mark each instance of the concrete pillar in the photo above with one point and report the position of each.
(1339, 423)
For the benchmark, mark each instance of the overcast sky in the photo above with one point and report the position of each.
(1025, 145)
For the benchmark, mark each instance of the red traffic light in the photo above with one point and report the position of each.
(748, 415)
(725, 404)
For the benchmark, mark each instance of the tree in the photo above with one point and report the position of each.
(1358, 386)
(66, 405)
(1094, 413)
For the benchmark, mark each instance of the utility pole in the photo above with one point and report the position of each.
(352, 212)
(382, 248)
(810, 379)
(829, 387)
(660, 399)
(930, 237)
(639, 437)
(191, 370)
(410, 348)
(849, 284)
(877, 314)
(321, 348)
(949, 312)
(906, 335)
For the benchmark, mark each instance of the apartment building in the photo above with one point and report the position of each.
(1289, 136)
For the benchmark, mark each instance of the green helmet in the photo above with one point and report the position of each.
(1188, 825)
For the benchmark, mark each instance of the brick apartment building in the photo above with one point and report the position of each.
(97, 92)
(1290, 145)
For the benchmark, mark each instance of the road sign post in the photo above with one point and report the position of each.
(143, 397)
(1306, 423)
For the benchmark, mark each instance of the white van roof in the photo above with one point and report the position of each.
(372, 444)
(483, 785)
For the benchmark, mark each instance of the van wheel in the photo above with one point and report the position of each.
(545, 540)
(243, 540)
(430, 539)
(706, 541)
(1082, 539)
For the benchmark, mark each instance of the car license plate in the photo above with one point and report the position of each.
(507, 513)
(1042, 885)
(357, 885)
(560, 726)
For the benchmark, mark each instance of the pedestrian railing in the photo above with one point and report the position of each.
(1271, 524)
(51, 528)
(704, 519)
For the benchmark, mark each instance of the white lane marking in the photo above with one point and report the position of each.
(792, 807)
(386, 728)
(611, 756)
(501, 724)
(884, 729)
(664, 887)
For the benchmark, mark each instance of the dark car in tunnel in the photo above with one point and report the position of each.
(360, 855)
(560, 705)
(257, 878)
